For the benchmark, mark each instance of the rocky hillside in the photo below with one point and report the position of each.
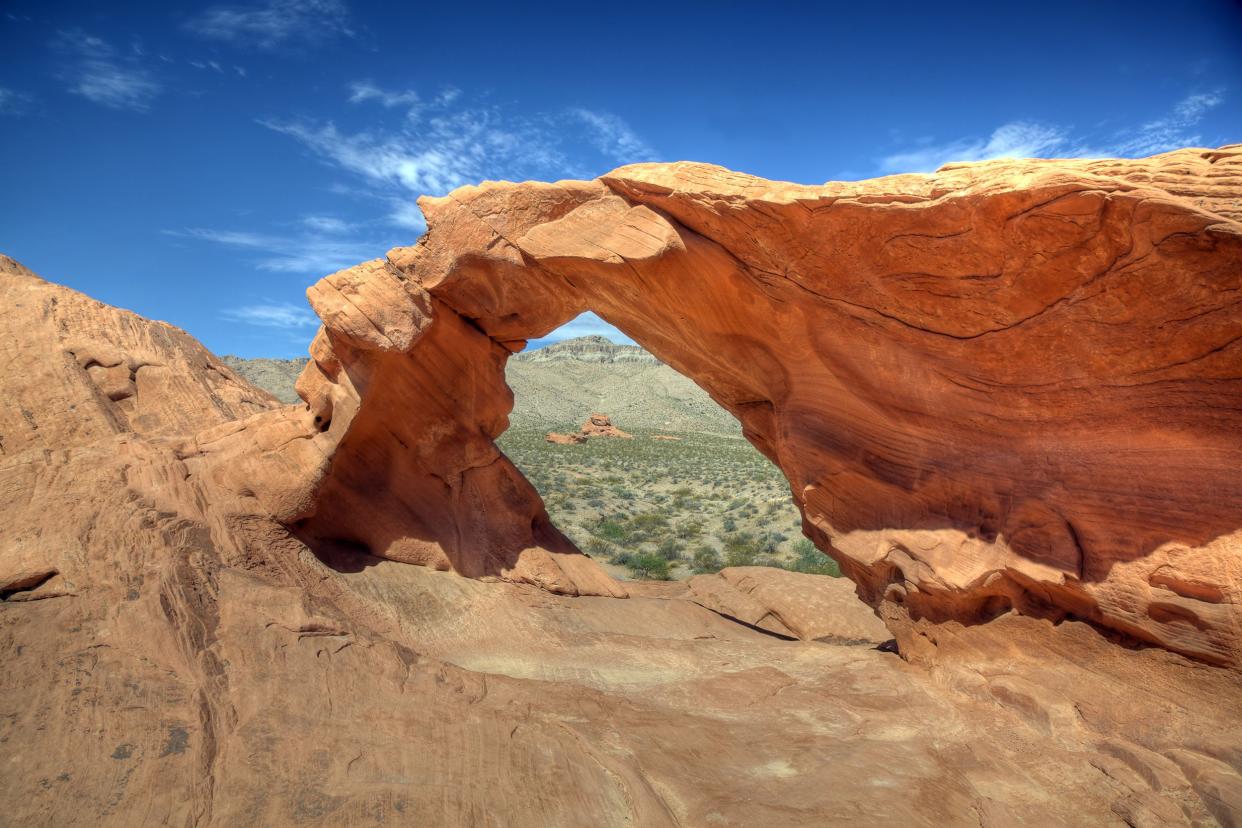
(557, 385)
(588, 349)
(276, 376)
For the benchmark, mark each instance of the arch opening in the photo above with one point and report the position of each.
(640, 468)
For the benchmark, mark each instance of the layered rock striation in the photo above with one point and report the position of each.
(1006, 385)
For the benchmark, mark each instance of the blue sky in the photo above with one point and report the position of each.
(203, 163)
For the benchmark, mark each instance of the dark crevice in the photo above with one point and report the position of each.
(27, 583)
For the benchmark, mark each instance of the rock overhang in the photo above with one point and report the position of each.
(1012, 384)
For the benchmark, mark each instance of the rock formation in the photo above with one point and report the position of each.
(596, 425)
(174, 654)
(1010, 384)
(600, 425)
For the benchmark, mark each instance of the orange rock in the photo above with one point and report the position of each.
(175, 655)
(565, 439)
(791, 604)
(1008, 384)
(599, 425)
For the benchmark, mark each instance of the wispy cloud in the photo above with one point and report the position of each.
(207, 64)
(274, 24)
(1177, 129)
(451, 145)
(98, 72)
(1022, 139)
(613, 137)
(283, 315)
(305, 253)
(13, 102)
(327, 224)
(1015, 140)
(363, 91)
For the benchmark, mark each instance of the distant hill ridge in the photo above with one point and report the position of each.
(588, 349)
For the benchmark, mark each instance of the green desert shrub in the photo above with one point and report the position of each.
(648, 566)
(706, 560)
(610, 530)
(597, 547)
(810, 560)
(740, 549)
(670, 549)
(689, 529)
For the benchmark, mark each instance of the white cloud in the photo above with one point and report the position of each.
(443, 154)
(406, 214)
(1175, 130)
(97, 72)
(452, 145)
(275, 23)
(285, 315)
(308, 253)
(361, 91)
(1021, 139)
(587, 324)
(327, 224)
(613, 136)
(1014, 140)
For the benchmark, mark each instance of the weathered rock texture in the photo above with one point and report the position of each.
(790, 604)
(174, 655)
(600, 425)
(1007, 384)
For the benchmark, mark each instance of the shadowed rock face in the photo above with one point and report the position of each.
(1014, 384)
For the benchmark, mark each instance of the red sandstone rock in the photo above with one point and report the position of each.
(1007, 384)
(565, 439)
(793, 604)
(174, 655)
(600, 425)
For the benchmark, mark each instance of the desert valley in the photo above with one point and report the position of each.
(925, 511)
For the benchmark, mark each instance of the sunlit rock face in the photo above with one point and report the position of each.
(1006, 385)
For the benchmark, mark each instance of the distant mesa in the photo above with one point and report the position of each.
(588, 349)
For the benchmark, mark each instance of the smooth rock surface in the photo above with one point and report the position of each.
(792, 604)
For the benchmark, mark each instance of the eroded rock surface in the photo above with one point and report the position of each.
(173, 654)
(791, 604)
(1011, 384)
(600, 425)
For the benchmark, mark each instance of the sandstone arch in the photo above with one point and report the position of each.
(1007, 384)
